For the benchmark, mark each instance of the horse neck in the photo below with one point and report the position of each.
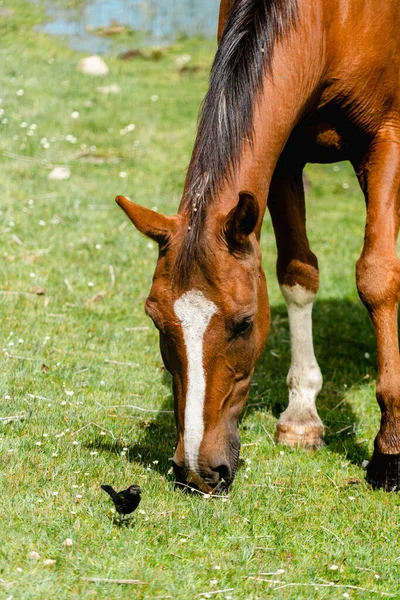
(295, 77)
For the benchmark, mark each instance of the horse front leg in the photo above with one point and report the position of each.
(297, 269)
(378, 283)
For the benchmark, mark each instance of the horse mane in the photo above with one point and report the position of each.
(244, 55)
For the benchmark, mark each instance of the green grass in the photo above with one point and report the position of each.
(287, 510)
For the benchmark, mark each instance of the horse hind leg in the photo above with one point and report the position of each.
(378, 283)
(297, 269)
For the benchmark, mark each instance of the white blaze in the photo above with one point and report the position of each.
(194, 312)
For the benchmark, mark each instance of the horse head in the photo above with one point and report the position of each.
(213, 320)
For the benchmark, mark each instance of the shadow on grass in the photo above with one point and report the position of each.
(345, 349)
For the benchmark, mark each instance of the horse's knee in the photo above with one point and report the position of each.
(301, 272)
(378, 280)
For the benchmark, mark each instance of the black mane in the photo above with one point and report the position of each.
(226, 119)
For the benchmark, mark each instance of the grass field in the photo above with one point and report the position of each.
(294, 526)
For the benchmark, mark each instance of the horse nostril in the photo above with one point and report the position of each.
(181, 473)
(224, 473)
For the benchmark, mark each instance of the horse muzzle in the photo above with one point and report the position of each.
(215, 471)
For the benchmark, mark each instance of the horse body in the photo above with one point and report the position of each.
(357, 93)
(319, 84)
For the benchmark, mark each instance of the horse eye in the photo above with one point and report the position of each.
(242, 327)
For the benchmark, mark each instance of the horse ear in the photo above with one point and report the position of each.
(152, 224)
(241, 221)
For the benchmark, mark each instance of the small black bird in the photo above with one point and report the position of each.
(125, 501)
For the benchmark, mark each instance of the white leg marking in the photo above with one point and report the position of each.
(194, 312)
(304, 378)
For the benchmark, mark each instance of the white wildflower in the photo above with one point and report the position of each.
(49, 562)
(92, 65)
(60, 173)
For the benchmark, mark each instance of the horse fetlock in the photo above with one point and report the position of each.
(304, 383)
(388, 439)
(388, 395)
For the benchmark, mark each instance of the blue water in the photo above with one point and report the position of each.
(161, 20)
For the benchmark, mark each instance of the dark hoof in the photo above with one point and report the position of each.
(383, 471)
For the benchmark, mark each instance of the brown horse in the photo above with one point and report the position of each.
(293, 81)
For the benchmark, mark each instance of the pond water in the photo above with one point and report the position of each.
(161, 21)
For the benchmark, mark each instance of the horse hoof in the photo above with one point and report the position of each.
(300, 436)
(383, 471)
